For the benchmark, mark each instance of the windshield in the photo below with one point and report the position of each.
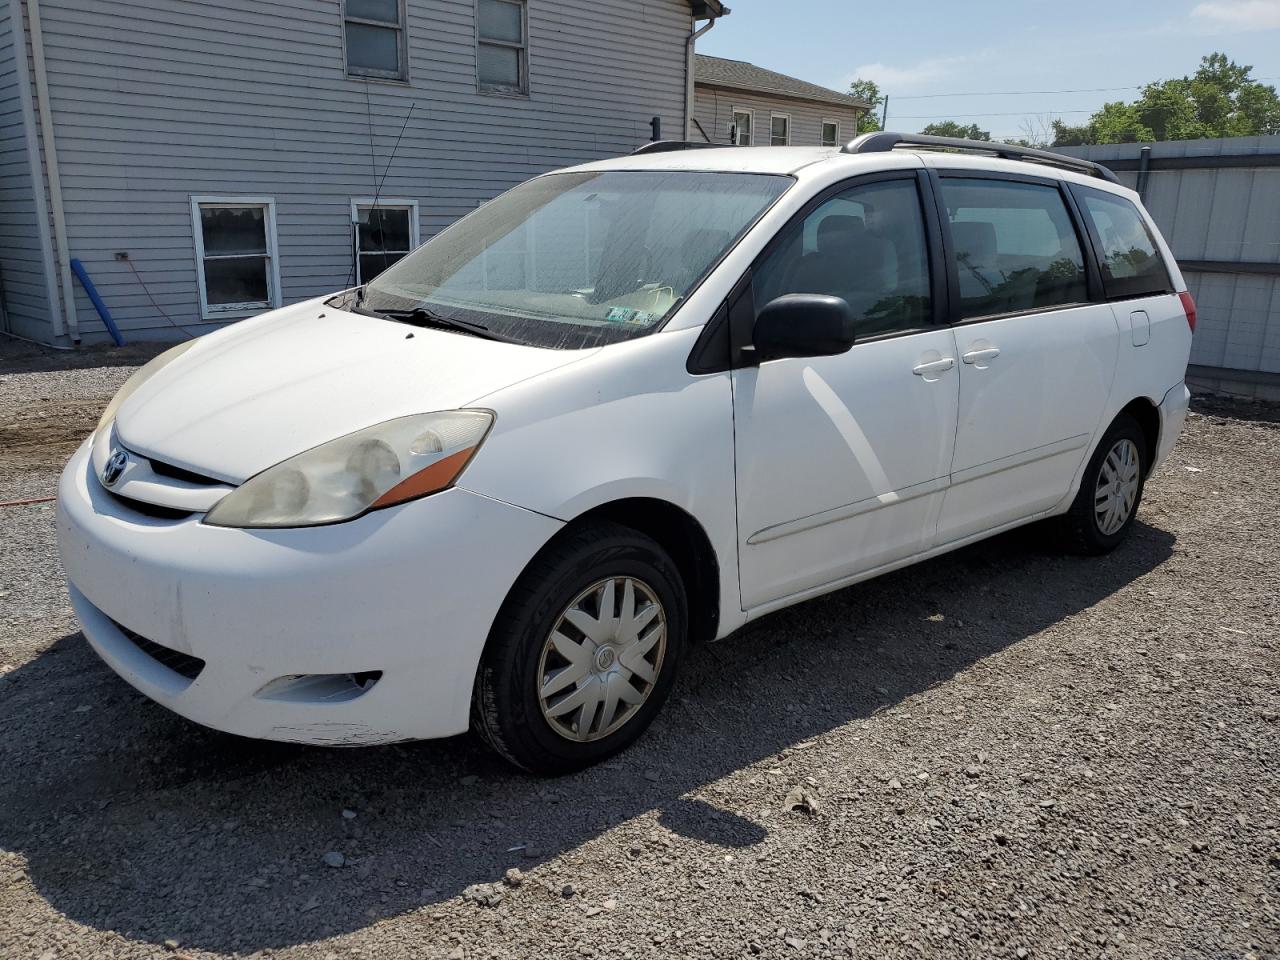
(576, 260)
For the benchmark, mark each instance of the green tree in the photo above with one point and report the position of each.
(1114, 123)
(869, 91)
(1120, 123)
(1225, 102)
(1219, 100)
(1066, 136)
(950, 128)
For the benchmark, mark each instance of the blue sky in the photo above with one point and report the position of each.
(982, 47)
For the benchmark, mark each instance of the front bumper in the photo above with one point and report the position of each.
(411, 592)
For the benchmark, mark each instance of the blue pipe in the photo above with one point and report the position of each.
(78, 268)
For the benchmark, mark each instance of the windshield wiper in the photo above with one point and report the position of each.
(422, 317)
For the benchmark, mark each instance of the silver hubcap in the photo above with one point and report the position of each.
(1117, 487)
(602, 659)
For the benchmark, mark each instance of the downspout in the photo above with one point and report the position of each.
(23, 70)
(1144, 172)
(51, 165)
(690, 69)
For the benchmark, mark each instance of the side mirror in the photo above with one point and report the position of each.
(803, 325)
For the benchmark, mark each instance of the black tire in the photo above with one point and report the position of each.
(505, 709)
(1080, 528)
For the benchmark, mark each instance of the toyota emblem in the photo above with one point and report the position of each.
(115, 466)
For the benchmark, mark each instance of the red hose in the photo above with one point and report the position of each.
(27, 503)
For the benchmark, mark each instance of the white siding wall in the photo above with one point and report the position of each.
(158, 100)
(714, 106)
(20, 261)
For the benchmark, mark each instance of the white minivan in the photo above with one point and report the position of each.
(618, 410)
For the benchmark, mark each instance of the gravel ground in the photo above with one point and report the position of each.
(1008, 753)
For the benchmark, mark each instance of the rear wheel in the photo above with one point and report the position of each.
(1110, 491)
(584, 651)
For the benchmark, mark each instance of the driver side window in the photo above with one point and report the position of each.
(867, 246)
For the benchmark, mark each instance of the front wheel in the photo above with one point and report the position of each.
(584, 651)
(1110, 491)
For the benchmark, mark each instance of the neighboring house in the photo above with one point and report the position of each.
(208, 161)
(738, 102)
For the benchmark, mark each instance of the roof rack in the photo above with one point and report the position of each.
(884, 142)
(670, 146)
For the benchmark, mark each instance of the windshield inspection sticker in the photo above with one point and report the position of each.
(642, 318)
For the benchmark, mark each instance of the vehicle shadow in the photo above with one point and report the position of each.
(131, 819)
(1236, 408)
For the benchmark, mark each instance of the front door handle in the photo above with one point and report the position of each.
(934, 366)
(980, 357)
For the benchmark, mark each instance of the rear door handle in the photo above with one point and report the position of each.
(980, 357)
(934, 366)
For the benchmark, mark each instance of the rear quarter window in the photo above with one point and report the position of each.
(1130, 260)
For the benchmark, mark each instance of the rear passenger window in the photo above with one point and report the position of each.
(1014, 246)
(1131, 263)
(866, 246)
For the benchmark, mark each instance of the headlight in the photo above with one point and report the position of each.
(377, 467)
(141, 376)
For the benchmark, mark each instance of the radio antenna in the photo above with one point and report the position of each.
(377, 195)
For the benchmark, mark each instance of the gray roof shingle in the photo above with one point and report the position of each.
(719, 72)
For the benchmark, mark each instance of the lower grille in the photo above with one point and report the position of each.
(182, 664)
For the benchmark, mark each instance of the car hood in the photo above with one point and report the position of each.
(251, 395)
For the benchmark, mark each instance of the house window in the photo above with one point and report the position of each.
(374, 32)
(830, 133)
(502, 47)
(383, 234)
(780, 130)
(235, 240)
(743, 121)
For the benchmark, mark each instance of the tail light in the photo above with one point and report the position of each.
(1189, 305)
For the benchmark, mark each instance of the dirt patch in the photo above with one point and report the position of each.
(18, 356)
(46, 435)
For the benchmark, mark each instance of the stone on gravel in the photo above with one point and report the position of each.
(333, 859)
(484, 894)
(803, 800)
